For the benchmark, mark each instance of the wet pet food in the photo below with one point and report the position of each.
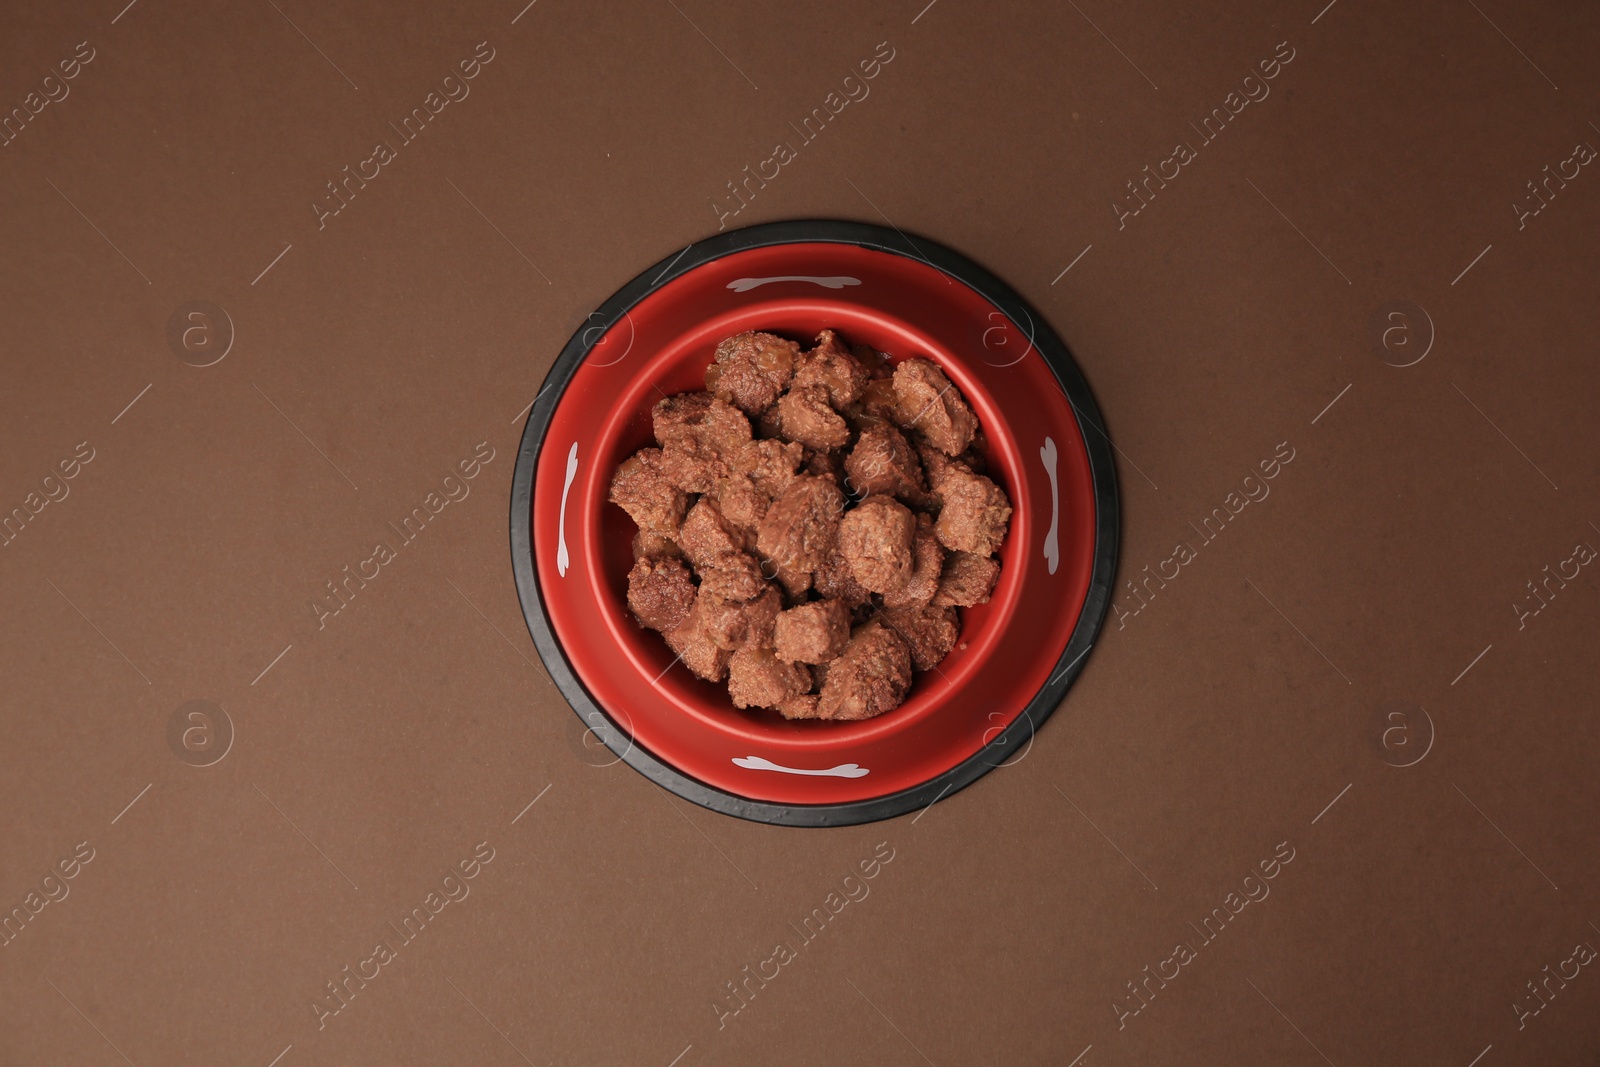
(811, 524)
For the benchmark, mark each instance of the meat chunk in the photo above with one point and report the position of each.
(751, 370)
(834, 581)
(974, 515)
(698, 434)
(770, 464)
(929, 632)
(800, 707)
(883, 461)
(650, 500)
(694, 646)
(875, 541)
(936, 466)
(940, 468)
(967, 580)
(804, 416)
(733, 576)
(812, 633)
(705, 535)
(871, 676)
(674, 418)
(741, 502)
(647, 545)
(690, 468)
(802, 525)
(925, 399)
(699, 418)
(758, 679)
(660, 593)
(831, 366)
(731, 624)
(927, 563)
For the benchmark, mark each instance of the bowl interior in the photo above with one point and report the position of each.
(681, 367)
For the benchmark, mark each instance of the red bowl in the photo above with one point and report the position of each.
(1018, 653)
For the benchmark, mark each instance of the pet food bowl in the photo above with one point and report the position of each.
(1018, 653)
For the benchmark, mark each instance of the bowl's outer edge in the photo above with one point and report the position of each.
(1003, 746)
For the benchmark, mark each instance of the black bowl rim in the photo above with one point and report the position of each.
(1004, 746)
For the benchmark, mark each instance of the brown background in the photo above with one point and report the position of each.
(1220, 721)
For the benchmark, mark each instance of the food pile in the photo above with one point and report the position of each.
(810, 524)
